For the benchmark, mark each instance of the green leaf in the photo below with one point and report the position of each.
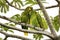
(11, 24)
(56, 26)
(33, 2)
(6, 29)
(38, 36)
(8, 24)
(11, 31)
(17, 3)
(56, 23)
(1, 39)
(16, 17)
(3, 6)
(30, 2)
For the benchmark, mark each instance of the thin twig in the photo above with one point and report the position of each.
(6, 38)
(14, 36)
(48, 39)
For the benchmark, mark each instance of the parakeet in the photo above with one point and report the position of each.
(37, 20)
(25, 18)
(34, 20)
(30, 16)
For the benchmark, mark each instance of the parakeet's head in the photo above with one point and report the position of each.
(29, 9)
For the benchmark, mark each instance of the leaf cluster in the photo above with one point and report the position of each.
(3, 6)
(17, 3)
(55, 22)
(7, 29)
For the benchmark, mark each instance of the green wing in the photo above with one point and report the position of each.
(33, 19)
(42, 22)
(24, 19)
(37, 20)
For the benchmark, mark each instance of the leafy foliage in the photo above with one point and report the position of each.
(6, 29)
(56, 23)
(17, 3)
(1, 39)
(3, 6)
(11, 31)
(10, 24)
(38, 37)
(16, 17)
(32, 2)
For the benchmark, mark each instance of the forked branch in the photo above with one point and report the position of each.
(14, 36)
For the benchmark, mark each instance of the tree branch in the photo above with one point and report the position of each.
(48, 39)
(24, 30)
(14, 36)
(24, 24)
(34, 9)
(6, 38)
(47, 18)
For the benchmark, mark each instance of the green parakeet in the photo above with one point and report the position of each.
(30, 16)
(37, 20)
(25, 18)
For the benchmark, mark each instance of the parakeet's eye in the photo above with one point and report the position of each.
(30, 9)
